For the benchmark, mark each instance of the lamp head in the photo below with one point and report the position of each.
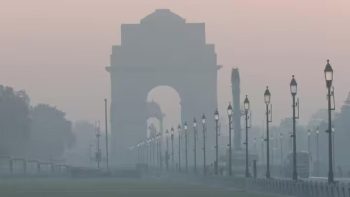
(246, 104)
(328, 73)
(293, 86)
(216, 115)
(267, 96)
(229, 109)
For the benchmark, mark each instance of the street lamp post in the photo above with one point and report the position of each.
(138, 146)
(172, 148)
(309, 141)
(145, 157)
(159, 150)
(106, 129)
(153, 151)
(229, 113)
(195, 144)
(149, 153)
(328, 71)
(246, 110)
(98, 151)
(179, 133)
(216, 117)
(167, 150)
(293, 91)
(267, 98)
(281, 152)
(150, 142)
(186, 160)
(317, 153)
(156, 159)
(143, 149)
(204, 153)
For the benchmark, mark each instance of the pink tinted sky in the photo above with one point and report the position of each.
(57, 50)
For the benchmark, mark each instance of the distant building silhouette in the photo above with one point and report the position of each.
(162, 50)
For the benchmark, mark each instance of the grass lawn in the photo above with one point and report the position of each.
(49, 187)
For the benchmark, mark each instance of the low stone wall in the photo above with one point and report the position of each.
(298, 188)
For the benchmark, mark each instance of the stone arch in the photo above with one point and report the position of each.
(163, 50)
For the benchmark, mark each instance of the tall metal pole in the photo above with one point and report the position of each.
(186, 150)
(204, 153)
(229, 145)
(268, 175)
(309, 142)
(147, 153)
(167, 151)
(246, 110)
(157, 151)
(179, 148)
(98, 152)
(330, 152)
(216, 146)
(295, 174)
(106, 128)
(138, 153)
(246, 145)
(172, 150)
(150, 152)
(153, 155)
(328, 71)
(281, 151)
(262, 153)
(195, 145)
(161, 150)
(317, 153)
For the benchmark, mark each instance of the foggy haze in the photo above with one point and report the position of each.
(58, 50)
(174, 98)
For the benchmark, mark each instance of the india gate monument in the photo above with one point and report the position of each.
(162, 50)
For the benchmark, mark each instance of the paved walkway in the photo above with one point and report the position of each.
(45, 187)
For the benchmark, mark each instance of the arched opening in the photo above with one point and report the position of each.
(168, 100)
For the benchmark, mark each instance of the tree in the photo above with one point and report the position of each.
(51, 133)
(83, 152)
(14, 122)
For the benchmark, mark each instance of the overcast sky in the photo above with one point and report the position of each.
(57, 49)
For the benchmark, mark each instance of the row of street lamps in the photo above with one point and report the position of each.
(328, 71)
